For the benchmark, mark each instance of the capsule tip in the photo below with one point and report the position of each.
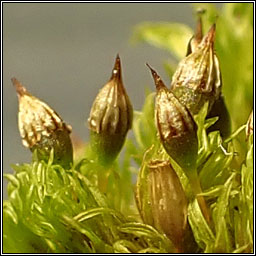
(211, 33)
(213, 27)
(208, 39)
(20, 89)
(200, 11)
(116, 73)
(154, 74)
(199, 30)
(158, 81)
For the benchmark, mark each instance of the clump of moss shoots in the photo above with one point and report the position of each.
(184, 180)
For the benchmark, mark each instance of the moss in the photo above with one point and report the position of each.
(90, 208)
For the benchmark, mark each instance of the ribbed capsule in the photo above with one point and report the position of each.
(176, 126)
(161, 200)
(217, 107)
(42, 129)
(198, 78)
(110, 117)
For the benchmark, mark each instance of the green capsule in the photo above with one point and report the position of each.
(176, 126)
(161, 200)
(42, 129)
(110, 117)
(198, 78)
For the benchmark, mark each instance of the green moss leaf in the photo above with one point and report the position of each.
(223, 239)
(202, 232)
(173, 37)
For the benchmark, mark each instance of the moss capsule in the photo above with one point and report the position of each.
(110, 117)
(42, 129)
(198, 78)
(161, 200)
(176, 126)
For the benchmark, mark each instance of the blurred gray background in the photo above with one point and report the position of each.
(64, 53)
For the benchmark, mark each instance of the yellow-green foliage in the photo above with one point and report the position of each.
(90, 208)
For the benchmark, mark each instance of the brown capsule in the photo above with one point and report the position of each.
(42, 129)
(176, 126)
(161, 200)
(217, 107)
(110, 117)
(198, 78)
(178, 134)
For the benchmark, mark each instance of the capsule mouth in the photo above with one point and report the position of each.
(158, 81)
